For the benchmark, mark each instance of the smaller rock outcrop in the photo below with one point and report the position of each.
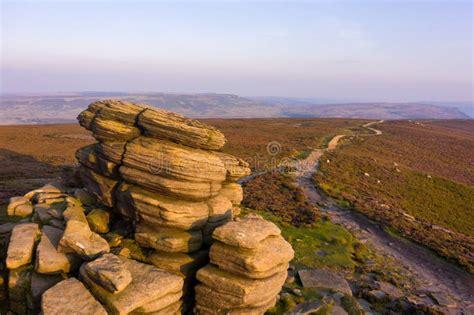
(249, 262)
(150, 289)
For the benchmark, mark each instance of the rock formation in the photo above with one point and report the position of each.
(154, 193)
(248, 266)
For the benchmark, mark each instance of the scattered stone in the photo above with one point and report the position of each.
(443, 299)
(149, 284)
(297, 292)
(20, 207)
(78, 237)
(376, 296)
(109, 272)
(22, 241)
(48, 259)
(337, 310)
(322, 278)
(99, 220)
(307, 307)
(70, 297)
(391, 290)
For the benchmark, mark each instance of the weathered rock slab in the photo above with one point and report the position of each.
(22, 241)
(148, 285)
(110, 272)
(185, 265)
(272, 255)
(168, 239)
(19, 206)
(247, 232)
(322, 278)
(159, 210)
(166, 125)
(70, 297)
(48, 259)
(78, 237)
(224, 290)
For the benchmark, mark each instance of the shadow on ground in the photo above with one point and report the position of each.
(21, 173)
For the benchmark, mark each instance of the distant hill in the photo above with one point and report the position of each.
(63, 108)
(377, 111)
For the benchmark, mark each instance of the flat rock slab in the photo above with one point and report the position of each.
(226, 290)
(51, 188)
(185, 265)
(70, 297)
(48, 259)
(307, 307)
(168, 239)
(110, 272)
(149, 284)
(167, 125)
(322, 278)
(156, 209)
(271, 256)
(246, 233)
(19, 206)
(79, 238)
(22, 241)
(391, 290)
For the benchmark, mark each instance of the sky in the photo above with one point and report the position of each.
(349, 50)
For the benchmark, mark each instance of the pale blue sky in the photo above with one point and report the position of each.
(358, 50)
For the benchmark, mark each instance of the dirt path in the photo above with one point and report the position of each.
(376, 131)
(453, 286)
(439, 277)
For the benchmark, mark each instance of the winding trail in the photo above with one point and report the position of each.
(453, 287)
(447, 281)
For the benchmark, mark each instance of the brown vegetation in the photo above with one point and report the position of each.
(278, 193)
(248, 138)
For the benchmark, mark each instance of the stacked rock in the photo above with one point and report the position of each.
(164, 173)
(248, 266)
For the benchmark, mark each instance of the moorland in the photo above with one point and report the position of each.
(416, 177)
